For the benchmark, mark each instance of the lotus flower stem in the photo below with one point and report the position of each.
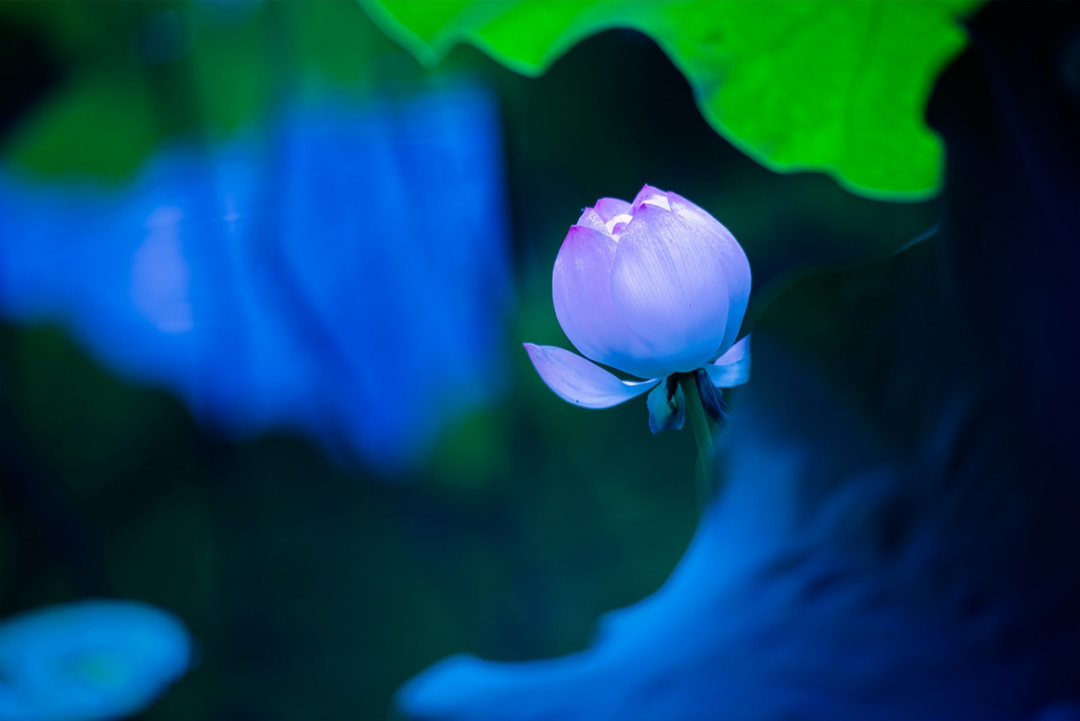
(700, 423)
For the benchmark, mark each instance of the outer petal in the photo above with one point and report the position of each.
(578, 381)
(591, 219)
(651, 195)
(732, 368)
(581, 290)
(608, 208)
(736, 266)
(668, 282)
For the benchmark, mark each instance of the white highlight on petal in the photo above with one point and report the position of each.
(615, 225)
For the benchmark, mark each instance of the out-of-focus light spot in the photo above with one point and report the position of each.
(228, 13)
(164, 37)
(159, 275)
(342, 269)
(231, 215)
(88, 661)
(1064, 711)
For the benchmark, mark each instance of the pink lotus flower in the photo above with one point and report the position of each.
(656, 288)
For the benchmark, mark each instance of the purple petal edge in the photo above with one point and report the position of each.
(580, 381)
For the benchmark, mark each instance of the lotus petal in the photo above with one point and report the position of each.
(732, 368)
(608, 208)
(735, 264)
(591, 219)
(667, 281)
(578, 381)
(652, 196)
(581, 290)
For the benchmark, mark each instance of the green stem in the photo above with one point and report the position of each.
(700, 423)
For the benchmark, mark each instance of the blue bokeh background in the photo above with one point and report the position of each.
(341, 268)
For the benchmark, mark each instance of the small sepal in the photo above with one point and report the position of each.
(712, 399)
(733, 368)
(667, 406)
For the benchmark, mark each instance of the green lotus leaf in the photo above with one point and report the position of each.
(836, 87)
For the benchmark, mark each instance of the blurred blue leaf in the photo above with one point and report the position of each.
(343, 269)
(811, 590)
(88, 661)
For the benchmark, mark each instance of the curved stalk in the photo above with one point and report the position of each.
(700, 423)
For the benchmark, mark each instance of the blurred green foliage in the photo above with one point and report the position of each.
(114, 105)
(838, 87)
